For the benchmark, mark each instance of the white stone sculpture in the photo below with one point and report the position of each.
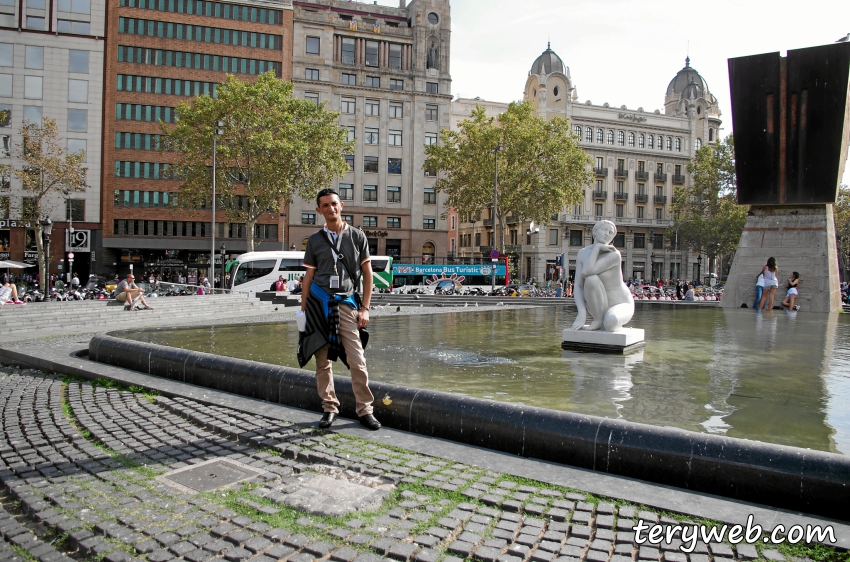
(599, 287)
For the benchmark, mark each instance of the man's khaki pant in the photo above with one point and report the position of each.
(350, 337)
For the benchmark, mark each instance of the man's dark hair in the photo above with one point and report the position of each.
(325, 191)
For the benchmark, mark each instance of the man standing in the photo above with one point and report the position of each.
(336, 258)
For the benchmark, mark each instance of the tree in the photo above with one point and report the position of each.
(708, 217)
(541, 166)
(273, 146)
(841, 215)
(48, 170)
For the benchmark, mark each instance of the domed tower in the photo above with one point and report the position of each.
(688, 96)
(549, 86)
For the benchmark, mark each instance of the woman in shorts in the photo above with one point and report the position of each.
(771, 283)
(791, 293)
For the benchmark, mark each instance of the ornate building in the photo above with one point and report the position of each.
(387, 71)
(638, 159)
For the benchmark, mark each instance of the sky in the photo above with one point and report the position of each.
(626, 52)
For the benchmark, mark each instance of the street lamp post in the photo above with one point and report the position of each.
(472, 220)
(282, 231)
(493, 284)
(217, 130)
(699, 267)
(70, 233)
(292, 247)
(222, 250)
(496, 196)
(47, 230)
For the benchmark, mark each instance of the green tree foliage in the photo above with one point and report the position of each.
(707, 213)
(542, 168)
(841, 215)
(274, 146)
(48, 171)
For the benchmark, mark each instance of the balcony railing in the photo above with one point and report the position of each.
(488, 222)
(600, 195)
(485, 249)
(601, 172)
(510, 220)
(512, 249)
(678, 179)
(621, 196)
(664, 222)
(641, 197)
(621, 173)
(660, 177)
(661, 199)
(641, 176)
(644, 221)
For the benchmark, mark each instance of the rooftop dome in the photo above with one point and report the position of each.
(690, 80)
(548, 62)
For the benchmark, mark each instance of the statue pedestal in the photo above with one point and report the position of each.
(600, 341)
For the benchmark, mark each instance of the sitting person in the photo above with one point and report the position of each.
(599, 287)
(129, 293)
(279, 285)
(689, 295)
(297, 289)
(791, 294)
(9, 290)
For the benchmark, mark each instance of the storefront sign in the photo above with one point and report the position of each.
(415, 269)
(79, 241)
(30, 257)
(638, 266)
(5, 255)
(376, 233)
(14, 224)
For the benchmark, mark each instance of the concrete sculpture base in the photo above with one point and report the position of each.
(801, 239)
(624, 340)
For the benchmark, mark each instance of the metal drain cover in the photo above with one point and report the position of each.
(210, 475)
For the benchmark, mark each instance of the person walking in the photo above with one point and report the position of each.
(336, 258)
(771, 283)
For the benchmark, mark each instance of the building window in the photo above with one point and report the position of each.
(600, 185)
(710, 135)
(658, 241)
(78, 61)
(642, 141)
(598, 209)
(370, 222)
(373, 107)
(7, 51)
(576, 237)
(349, 79)
(698, 144)
(660, 142)
(396, 84)
(370, 192)
(393, 165)
(5, 86)
(678, 169)
(394, 138)
(659, 213)
(553, 236)
(640, 239)
(619, 210)
(6, 146)
(349, 133)
(429, 224)
(313, 45)
(35, 23)
(75, 6)
(34, 57)
(610, 137)
(659, 190)
(621, 163)
(373, 81)
(312, 97)
(600, 136)
(371, 136)
(430, 138)
(430, 170)
(577, 131)
(620, 240)
(651, 140)
(678, 144)
(371, 53)
(631, 139)
(347, 218)
(308, 218)
(33, 87)
(370, 164)
(430, 197)
(349, 160)
(348, 51)
(393, 222)
(659, 168)
(393, 194)
(431, 113)
(396, 110)
(78, 120)
(32, 113)
(395, 57)
(313, 74)
(669, 143)
(600, 162)
(588, 134)
(431, 87)
(346, 192)
(78, 91)
(621, 138)
(619, 186)
(641, 189)
(348, 105)
(77, 27)
(640, 209)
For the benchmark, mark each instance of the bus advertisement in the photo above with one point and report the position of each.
(444, 278)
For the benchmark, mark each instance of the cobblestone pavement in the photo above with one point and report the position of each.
(88, 473)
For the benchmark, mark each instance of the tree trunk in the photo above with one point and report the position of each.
(44, 280)
(249, 232)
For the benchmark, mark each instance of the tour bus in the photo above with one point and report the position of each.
(447, 278)
(255, 272)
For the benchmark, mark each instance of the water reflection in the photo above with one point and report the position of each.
(771, 376)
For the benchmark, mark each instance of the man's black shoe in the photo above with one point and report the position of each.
(327, 420)
(370, 422)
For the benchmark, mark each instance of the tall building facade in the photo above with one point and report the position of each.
(638, 159)
(159, 53)
(51, 65)
(387, 71)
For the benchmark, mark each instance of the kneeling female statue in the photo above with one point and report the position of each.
(599, 287)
